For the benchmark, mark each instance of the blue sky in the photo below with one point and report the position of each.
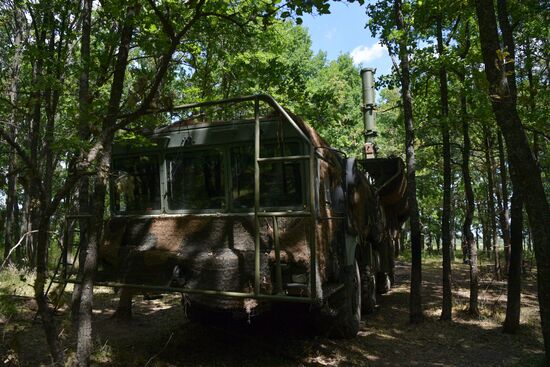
(343, 31)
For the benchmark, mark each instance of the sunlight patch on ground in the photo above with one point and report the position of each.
(322, 360)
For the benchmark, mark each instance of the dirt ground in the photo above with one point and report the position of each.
(160, 335)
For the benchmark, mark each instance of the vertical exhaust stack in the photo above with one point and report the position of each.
(369, 111)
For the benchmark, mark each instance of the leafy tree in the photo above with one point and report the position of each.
(524, 171)
(391, 21)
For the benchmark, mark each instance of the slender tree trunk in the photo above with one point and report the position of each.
(10, 225)
(397, 245)
(447, 307)
(83, 134)
(491, 200)
(48, 321)
(525, 173)
(529, 240)
(84, 332)
(477, 238)
(452, 223)
(415, 305)
(513, 303)
(24, 226)
(33, 189)
(44, 210)
(467, 235)
(483, 212)
(502, 199)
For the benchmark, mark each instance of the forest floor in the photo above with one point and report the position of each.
(160, 335)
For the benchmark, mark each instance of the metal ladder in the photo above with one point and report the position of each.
(65, 268)
(309, 213)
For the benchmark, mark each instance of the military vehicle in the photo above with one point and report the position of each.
(239, 204)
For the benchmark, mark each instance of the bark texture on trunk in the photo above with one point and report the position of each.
(446, 235)
(502, 199)
(513, 303)
(46, 314)
(84, 331)
(11, 233)
(415, 305)
(468, 236)
(525, 174)
(491, 200)
(83, 134)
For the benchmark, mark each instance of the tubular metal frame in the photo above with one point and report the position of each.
(275, 215)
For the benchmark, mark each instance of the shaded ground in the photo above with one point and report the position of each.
(160, 335)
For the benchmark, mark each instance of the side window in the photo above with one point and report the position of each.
(135, 184)
(280, 182)
(242, 177)
(195, 180)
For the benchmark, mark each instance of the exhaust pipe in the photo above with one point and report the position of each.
(369, 111)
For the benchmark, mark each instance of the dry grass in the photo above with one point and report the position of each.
(159, 334)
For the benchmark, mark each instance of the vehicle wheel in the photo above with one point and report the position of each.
(348, 317)
(383, 282)
(368, 290)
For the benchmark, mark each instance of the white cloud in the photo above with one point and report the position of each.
(366, 54)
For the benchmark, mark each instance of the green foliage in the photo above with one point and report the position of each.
(13, 281)
(462, 55)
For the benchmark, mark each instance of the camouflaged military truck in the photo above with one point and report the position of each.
(241, 210)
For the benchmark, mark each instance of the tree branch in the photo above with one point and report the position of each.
(536, 131)
(229, 18)
(19, 150)
(166, 24)
(453, 30)
(161, 71)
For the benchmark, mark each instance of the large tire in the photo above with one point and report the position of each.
(348, 317)
(368, 290)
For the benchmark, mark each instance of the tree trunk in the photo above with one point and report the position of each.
(491, 200)
(83, 134)
(84, 332)
(513, 303)
(483, 213)
(525, 174)
(477, 238)
(452, 223)
(415, 305)
(467, 235)
(447, 307)
(502, 199)
(24, 226)
(124, 308)
(529, 240)
(46, 315)
(33, 187)
(11, 234)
